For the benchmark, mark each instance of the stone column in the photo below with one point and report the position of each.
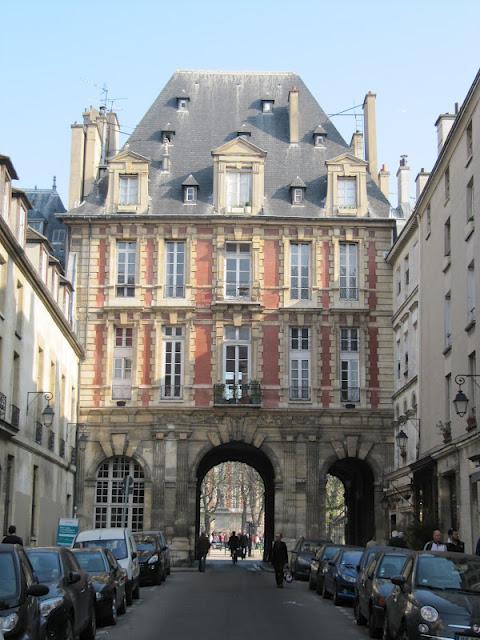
(289, 498)
(158, 482)
(181, 498)
(313, 516)
(80, 469)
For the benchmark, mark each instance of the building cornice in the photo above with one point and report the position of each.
(405, 236)
(409, 300)
(18, 255)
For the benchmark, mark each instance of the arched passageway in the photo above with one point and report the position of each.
(358, 482)
(237, 451)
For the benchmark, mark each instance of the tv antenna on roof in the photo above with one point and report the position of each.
(107, 103)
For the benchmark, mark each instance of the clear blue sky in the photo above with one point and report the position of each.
(419, 56)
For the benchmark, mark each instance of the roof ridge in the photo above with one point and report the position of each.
(232, 73)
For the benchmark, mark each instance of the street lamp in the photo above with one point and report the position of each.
(461, 401)
(402, 440)
(48, 413)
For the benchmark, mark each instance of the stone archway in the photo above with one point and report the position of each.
(358, 480)
(238, 451)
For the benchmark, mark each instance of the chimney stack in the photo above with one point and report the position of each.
(403, 178)
(370, 131)
(443, 123)
(293, 115)
(384, 181)
(421, 181)
(356, 145)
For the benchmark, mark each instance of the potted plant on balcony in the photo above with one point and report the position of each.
(248, 207)
(255, 392)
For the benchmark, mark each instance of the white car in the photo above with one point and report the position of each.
(121, 543)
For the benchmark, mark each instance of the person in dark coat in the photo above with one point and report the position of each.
(233, 543)
(279, 559)
(454, 543)
(12, 537)
(203, 547)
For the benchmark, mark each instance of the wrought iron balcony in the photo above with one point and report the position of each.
(3, 406)
(300, 393)
(51, 441)
(38, 432)
(350, 394)
(230, 393)
(171, 392)
(15, 417)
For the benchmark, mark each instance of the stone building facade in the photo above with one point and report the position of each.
(235, 304)
(39, 359)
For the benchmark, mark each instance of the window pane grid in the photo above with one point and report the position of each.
(300, 271)
(348, 271)
(347, 192)
(175, 270)
(110, 504)
(128, 190)
(126, 268)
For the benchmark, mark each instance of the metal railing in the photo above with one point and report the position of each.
(350, 394)
(3, 406)
(15, 417)
(51, 441)
(38, 432)
(230, 393)
(171, 392)
(300, 393)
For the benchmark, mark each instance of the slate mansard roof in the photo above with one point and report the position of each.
(219, 104)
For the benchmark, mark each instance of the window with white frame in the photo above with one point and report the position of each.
(470, 200)
(122, 364)
(267, 106)
(236, 360)
(299, 363)
(300, 271)
(448, 320)
(111, 508)
(348, 271)
(471, 293)
(190, 194)
(297, 195)
(175, 269)
(469, 137)
(347, 192)
(349, 364)
(126, 269)
(447, 238)
(128, 189)
(239, 189)
(173, 340)
(237, 270)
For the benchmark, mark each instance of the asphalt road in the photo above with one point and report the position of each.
(232, 602)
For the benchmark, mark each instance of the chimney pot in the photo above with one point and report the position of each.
(370, 129)
(403, 179)
(444, 123)
(420, 182)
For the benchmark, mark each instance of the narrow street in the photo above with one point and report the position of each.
(231, 602)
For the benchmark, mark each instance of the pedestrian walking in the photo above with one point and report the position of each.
(454, 543)
(436, 543)
(203, 547)
(233, 545)
(243, 544)
(279, 559)
(12, 537)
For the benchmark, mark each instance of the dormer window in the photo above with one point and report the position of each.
(347, 192)
(245, 134)
(128, 189)
(190, 190)
(239, 189)
(319, 136)
(297, 191)
(167, 136)
(267, 106)
(346, 186)
(297, 196)
(182, 104)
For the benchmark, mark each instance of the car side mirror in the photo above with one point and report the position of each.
(74, 577)
(399, 581)
(134, 555)
(37, 590)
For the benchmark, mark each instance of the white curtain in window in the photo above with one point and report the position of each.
(347, 192)
(239, 188)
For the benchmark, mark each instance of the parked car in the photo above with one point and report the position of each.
(69, 607)
(109, 580)
(122, 544)
(374, 586)
(20, 615)
(152, 555)
(319, 565)
(339, 580)
(302, 555)
(435, 595)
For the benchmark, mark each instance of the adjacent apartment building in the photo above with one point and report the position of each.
(234, 303)
(39, 364)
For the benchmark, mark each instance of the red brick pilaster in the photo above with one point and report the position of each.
(325, 275)
(204, 264)
(271, 365)
(149, 272)
(203, 364)
(271, 297)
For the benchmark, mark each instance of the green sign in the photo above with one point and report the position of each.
(66, 531)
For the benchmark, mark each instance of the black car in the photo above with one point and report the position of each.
(153, 556)
(436, 595)
(319, 565)
(109, 580)
(19, 592)
(69, 607)
(374, 586)
(302, 555)
(340, 578)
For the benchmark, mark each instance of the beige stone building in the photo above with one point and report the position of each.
(39, 356)
(436, 481)
(234, 303)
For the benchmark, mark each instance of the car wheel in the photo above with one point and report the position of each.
(386, 633)
(359, 618)
(113, 615)
(122, 608)
(68, 631)
(336, 599)
(91, 630)
(129, 591)
(136, 592)
(373, 631)
(325, 593)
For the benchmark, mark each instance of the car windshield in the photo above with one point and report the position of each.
(391, 566)
(329, 553)
(91, 561)
(438, 572)
(310, 546)
(117, 547)
(351, 558)
(145, 546)
(9, 587)
(46, 565)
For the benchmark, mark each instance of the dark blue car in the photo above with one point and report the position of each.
(341, 576)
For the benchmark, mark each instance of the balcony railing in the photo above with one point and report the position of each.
(171, 392)
(15, 417)
(38, 432)
(51, 441)
(350, 394)
(300, 393)
(237, 394)
(3, 406)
